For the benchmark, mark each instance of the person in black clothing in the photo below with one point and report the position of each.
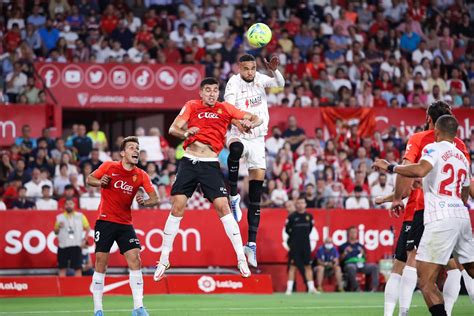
(82, 143)
(298, 227)
(20, 172)
(94, 160)
(352, 256)
(22, 201)
(310, 196)
(293, 134)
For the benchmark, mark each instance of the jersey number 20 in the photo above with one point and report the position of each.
(459, 178)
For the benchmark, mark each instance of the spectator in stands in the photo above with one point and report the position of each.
(20, 172)
(82, 143)
(70, 227)
(91, 199)
(279, 195)
(274, 143)
(36, 19)
(34, 187)
(352, 257)
(327, 265)
(94, 160)
(46, 202)
(67, 160)
(61, 180)
(6, 169)
(310, 196)
(293, 134)
(49, 36)
(69, 193)
(22, 201)
(16, 82)
(361, 158)
(31, 92)
(357, 201)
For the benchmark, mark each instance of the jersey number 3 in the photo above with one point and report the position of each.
(460, 177)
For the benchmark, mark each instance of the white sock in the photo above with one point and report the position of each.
(468, 282)
(391, 293)
(136, 284)
(289, 286)
(310, 286)
(451, 289)
(233, 232)
(407, 286)
(170, 231)
(98, 290)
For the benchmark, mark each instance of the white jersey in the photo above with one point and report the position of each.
(252, 97)
(443, 184)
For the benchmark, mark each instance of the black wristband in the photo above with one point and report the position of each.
(391, 167)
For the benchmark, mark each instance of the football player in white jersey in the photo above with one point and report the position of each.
(246, 91)
(448, 230)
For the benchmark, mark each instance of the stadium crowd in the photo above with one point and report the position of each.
(335, 173)
(332, 53)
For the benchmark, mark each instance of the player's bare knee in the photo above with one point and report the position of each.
(469, 268)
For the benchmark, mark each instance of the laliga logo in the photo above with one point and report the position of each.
(120, 184)
(14, 286)
(208, 115)
(207, 284)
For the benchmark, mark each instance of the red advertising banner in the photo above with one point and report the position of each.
(405, 119)
(27, 239)
(13, 117)
(121, 86)
(34, 286)
(363, 117)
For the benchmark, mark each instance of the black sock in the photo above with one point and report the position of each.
(235, 152)
(253, 214)
(438, 310)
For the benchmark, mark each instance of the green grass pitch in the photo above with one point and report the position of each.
(353, 304)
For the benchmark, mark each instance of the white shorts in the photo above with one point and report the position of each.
(445, 237)
(254, 151)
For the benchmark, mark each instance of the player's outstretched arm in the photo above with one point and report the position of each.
(153, 199)
(272, 66)
(417, 170)
(178, 129)
(94, 182)
(253, 119)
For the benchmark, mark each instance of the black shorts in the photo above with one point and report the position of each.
(300, 256)
(105, 233)
(416, 231)
(401, 251)
(206, 173)
(70, 257)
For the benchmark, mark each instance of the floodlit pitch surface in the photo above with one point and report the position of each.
(352, 304)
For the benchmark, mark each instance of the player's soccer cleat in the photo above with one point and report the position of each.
(251, 254)
(243, 268)
(140, 312)
(160, 271)
(314, 291)
(235, 207)
(99, 313)
(288, 292)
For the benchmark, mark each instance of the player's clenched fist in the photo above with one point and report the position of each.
(104, 181)
(140, 200)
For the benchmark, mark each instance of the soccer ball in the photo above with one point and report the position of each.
(259, 35)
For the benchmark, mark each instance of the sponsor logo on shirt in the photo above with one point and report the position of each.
(253, 102)
(120, 184)
(208, 115)
(428, 152)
